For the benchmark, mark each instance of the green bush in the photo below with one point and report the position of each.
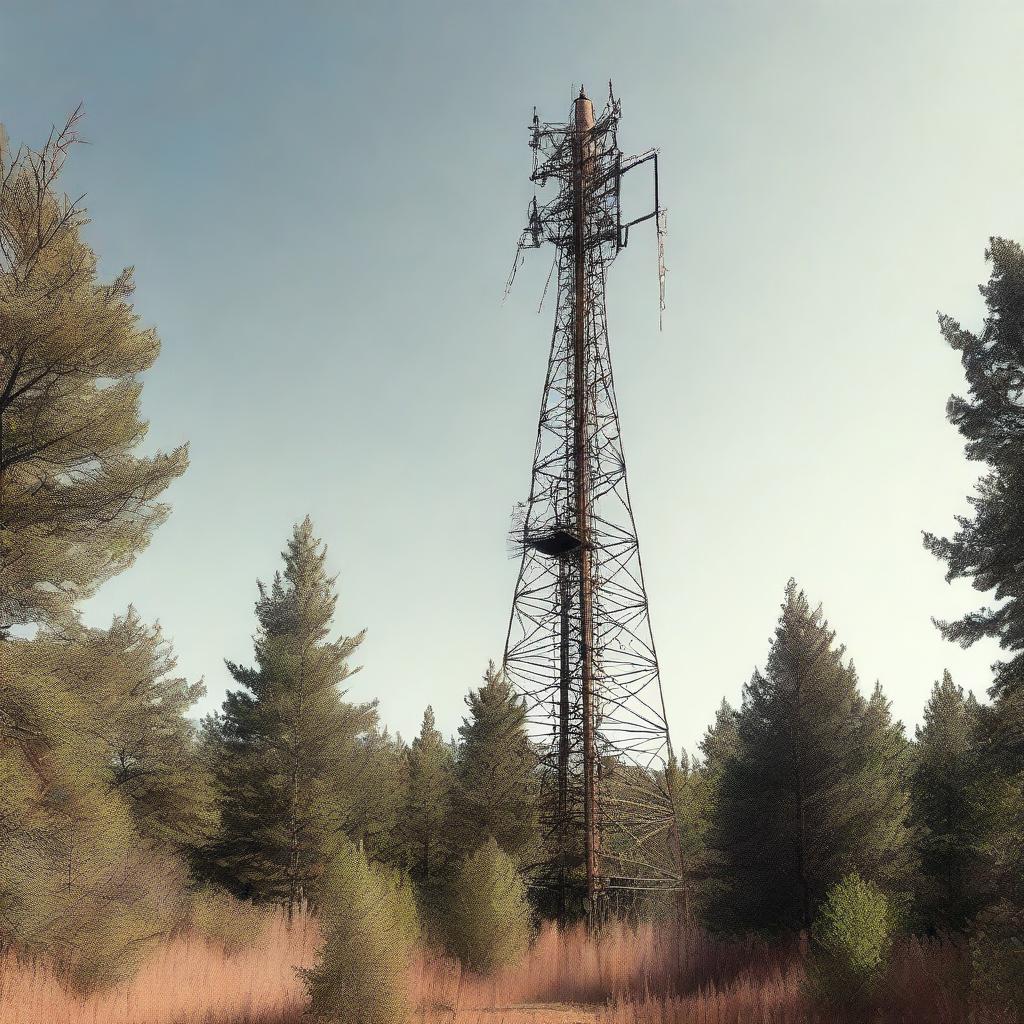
(851, 939)
(400, 898)
(370, 928)
(997, 957)
(489, 919)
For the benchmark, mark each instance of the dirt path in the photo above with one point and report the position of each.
(529, 1013)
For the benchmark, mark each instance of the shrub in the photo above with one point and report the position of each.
(113, 918)
(399, 896)
(369, 920)
(997, 957)
(851, 940)
(229, 922)
(489, 920)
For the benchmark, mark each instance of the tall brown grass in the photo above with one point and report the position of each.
(190, 980)
(663, 975)
(644, 975)
(621, 963)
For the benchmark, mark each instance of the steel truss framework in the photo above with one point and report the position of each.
(580, 650)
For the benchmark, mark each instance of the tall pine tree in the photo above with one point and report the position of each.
(886, 851)
(378, 798)
(496, 795)
(98, 779)
(286, 749)
(986, 547)
(696, 793)
(809, 795)
(427, 819)
(949, 803)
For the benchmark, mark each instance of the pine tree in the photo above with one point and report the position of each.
(489, 917)
(986, 546)
(807, 797)
(138, 712)
(428, 811)
(76, 503)
(380, 792)
(496, 794)
(886, 851)
(98, 779)
(720, 742)
(287, 749)
(78, 879)
(852, 937)
(689, 800)
(948, 802)
(1002, 776)
(369, 920)
(696, 794)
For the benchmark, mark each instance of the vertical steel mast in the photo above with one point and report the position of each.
(579, 649)
(582, 158)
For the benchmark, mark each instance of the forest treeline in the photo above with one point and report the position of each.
(122, 819)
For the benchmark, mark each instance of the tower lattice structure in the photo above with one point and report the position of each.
(580, 650)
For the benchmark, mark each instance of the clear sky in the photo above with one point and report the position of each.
(322, 202)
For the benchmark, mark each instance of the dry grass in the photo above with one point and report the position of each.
(624, 976)
(575, 967)
(656, 975)
(190, 980)
(648, 975)
(926, 983)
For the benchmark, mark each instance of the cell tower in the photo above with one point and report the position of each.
(580, 650)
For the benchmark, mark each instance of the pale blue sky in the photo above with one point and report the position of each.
(322, 202)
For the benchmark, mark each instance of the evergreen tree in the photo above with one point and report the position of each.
(986, 546)
(370, 926)
(489, 919)
(689, 799)
(80, 879)
(695, 793)
(76, 503)
(287, 750)
(138, 714)
(720, 743)
(948, 803)
(496, 794)
(886, 851)
(808, 796)
(852, 937)
(380, 792)
(1001, 781)
(98, 778)
(428, 810)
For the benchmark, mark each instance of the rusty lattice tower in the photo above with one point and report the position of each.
(580, 649)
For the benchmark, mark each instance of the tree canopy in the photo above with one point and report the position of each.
(77, 502)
